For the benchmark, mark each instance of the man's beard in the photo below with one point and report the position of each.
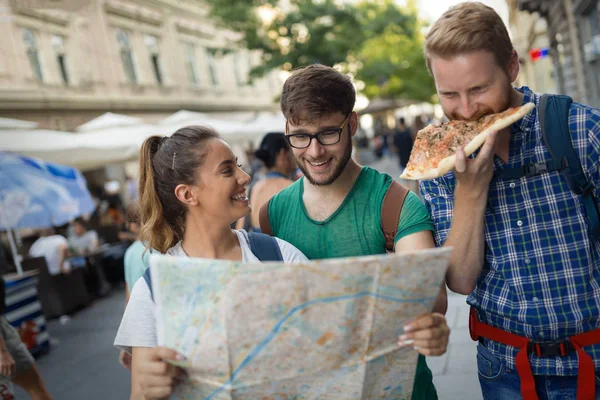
(337, 170)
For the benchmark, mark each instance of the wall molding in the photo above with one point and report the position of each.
(56, 17)
(135, 12)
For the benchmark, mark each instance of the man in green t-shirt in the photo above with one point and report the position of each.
(335, 209)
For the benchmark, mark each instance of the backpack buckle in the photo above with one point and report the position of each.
(553, 349)
(587, 189)
(535, 169)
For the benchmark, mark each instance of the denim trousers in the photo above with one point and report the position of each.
(500, 383)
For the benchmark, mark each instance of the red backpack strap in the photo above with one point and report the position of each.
(263, 219)
(390, 212)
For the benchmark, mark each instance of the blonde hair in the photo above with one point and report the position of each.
(164, 164)
(469, 27)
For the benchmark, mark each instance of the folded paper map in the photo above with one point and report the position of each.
(317, 330)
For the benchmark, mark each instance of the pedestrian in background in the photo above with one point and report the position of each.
(403, 142)
(55, 250)
(280, 166)
(82, 241)
(135, 264)
(16, 363)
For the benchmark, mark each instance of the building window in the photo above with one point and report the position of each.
(190, 63)
(212, 67)
(152, 45)
(593, 21)
(33, 53)
(59, 51)
(126, 55)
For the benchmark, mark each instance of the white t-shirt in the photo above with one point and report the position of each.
(84, 242)
(50, 247)
(138, 326)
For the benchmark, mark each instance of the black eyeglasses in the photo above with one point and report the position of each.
(326, 137)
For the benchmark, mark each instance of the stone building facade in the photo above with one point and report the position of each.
(573, 36)
(65, 62)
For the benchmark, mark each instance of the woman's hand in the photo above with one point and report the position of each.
(125, 359)
(155, 376)
(427, 334)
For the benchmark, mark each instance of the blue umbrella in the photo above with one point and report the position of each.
(37, 194)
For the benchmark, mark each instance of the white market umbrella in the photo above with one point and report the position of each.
(109, 121)
(10, 123)
(37, 194)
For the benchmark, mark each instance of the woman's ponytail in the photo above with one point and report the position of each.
(155, 231)
(166, 162)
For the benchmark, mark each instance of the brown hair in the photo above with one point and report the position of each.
(166, 162)
(133, 212)
(469, 27)
(82, 222)
(314, 92)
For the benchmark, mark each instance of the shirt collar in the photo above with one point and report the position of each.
(527, 123)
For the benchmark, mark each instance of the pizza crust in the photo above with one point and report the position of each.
(447, 164)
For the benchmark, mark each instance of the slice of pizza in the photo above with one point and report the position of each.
(434, 151)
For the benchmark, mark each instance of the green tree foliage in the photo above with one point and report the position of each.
(377, 41)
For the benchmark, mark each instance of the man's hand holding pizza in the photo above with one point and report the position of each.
(439, 149)
(473, 175)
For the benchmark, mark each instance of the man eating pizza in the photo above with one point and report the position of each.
(522, 217)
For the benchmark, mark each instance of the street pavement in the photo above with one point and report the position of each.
(82, 363)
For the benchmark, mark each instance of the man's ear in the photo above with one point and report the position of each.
(186, 194)
(513, 66)
(353, 124)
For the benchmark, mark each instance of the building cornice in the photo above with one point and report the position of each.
(33, 101)
(56, 17)
(192, 8)
(134, 11)
(195, 29)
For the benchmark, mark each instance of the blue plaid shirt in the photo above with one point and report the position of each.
(541, 277)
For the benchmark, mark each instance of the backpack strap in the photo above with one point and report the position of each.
(531, 169)
(554, 122)
(264, 247)
(148, 280)
(263, 219)
(391, 209)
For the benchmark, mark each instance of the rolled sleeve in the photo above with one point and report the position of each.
(438, 196)
(414, 217)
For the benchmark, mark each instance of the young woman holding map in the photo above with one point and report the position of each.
(191, 191)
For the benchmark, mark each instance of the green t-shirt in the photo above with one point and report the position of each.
(354, 229)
